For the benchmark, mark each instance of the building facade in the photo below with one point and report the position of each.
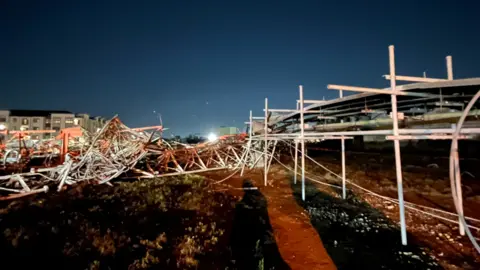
(22, 120)
(227, 131)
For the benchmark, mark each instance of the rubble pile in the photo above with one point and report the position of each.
(112, 152)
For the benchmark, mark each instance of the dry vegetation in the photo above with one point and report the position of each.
(165, 223)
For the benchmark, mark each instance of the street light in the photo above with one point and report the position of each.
(212, 137)
(159, 117)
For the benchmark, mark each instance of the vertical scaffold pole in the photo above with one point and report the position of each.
(296, 162)
(265, 160)
(302, 141)
(247, 152)
(459, 187)
(449, 68)
(398, 161)
(344, 180)
(250, 130)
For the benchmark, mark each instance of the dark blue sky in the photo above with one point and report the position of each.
(133, 57)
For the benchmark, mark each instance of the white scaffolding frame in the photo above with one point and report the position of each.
(395, 134)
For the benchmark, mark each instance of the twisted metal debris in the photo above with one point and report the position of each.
(117, 150)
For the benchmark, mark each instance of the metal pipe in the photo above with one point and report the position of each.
(377, 90)
(249, 142)
(296, 111)
(282, 110)
(380, 132)
(250, 129)
(426, 137)
(387, 122)
(344, 188)
(296, 162)
(312, 101)
(272, 155)
(266, 144)
(458, 186)
(454, 172)
(144, 128)
(413, 79)
(306, 137)
(302, 131)
(398, 161)
(449, 68)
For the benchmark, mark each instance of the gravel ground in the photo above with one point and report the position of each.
(358, 236)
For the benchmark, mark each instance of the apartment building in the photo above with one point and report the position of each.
(47, 120)
(4, 118)
(92, 124)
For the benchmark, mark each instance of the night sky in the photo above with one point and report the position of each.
(202, 64)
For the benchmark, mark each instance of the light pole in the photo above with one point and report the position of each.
(159, 117)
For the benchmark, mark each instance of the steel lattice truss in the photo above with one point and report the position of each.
(183, 159)
(118, 151)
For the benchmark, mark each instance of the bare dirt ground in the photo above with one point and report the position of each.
(298, 242)
(326, 232)
(425, 183)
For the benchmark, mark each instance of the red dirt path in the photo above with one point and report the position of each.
(298, 242)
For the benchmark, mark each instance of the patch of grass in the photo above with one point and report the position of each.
(96, 226)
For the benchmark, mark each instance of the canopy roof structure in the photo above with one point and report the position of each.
(358, 110)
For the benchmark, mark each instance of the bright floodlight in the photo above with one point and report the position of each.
(2, 127)
(212, 137)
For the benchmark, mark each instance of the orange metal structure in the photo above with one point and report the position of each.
(65, 135)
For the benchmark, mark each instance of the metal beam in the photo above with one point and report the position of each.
(266, 144)
(379, 132)
(296, 162)
(298, 111)
(427, 137)
(396, 144)
(414, 79)
(312, 101)
(449, 68)
(302, 140)
(377, 91)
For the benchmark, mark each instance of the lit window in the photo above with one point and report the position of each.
(24, 121)
(56, 120)
(35, 128)
(35, 120)
(69, 121)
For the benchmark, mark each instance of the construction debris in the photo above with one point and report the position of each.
(116, 150)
